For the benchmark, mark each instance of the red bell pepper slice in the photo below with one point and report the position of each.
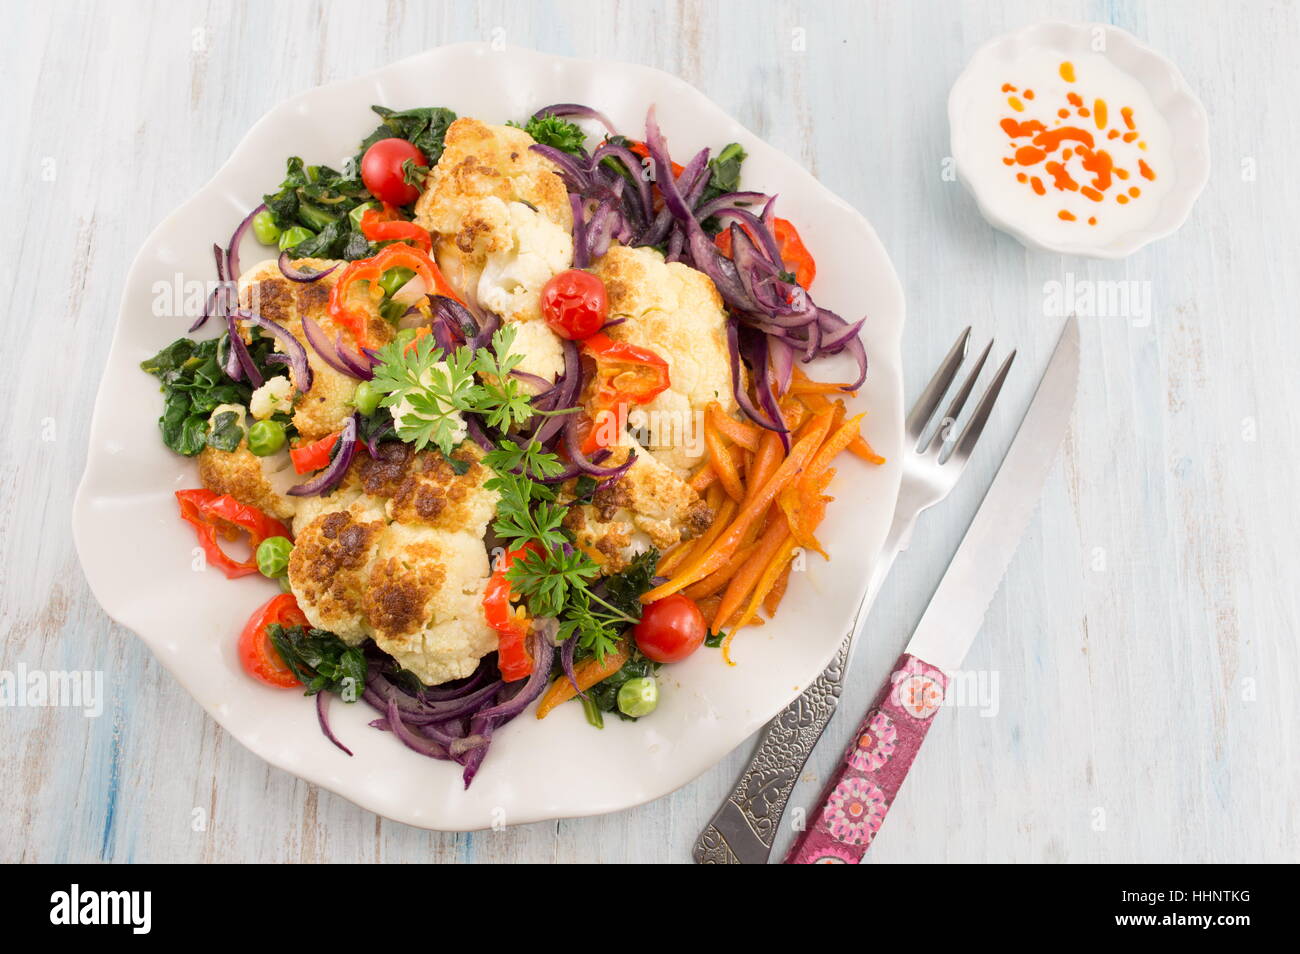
(625, 374)
(512, 629)
(214, 514)
(356, 320)
(314, 456)
(388, 226)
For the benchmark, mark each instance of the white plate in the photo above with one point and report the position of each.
(137, 552)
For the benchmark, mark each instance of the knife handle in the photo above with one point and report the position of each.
(859, 794)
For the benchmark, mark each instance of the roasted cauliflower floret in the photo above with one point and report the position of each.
(648, 506)
(259, 482)
(676, 312)
(424, 601)
(503, 223)
(396, 553)
(329, 570)
(263, 289)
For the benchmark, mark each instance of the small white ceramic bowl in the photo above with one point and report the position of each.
(1188, 135)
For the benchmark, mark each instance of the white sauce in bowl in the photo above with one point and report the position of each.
(1065, 146)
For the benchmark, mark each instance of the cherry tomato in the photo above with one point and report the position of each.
(670, 629)
(258, 656)
(381, 171)
(574, 304)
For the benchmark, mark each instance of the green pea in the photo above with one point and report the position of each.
(362, 209)
(395, 278)
(264, 227)
(366, 398)
(265, 438)
(638, 697)
(294, 236)
(273, 556)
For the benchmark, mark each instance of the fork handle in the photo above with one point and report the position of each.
(743, 828)
(862, 789)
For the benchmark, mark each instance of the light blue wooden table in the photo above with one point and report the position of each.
(1145, 637)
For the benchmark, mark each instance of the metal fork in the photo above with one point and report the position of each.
(743, 829)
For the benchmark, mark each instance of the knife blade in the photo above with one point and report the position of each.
(956, 610)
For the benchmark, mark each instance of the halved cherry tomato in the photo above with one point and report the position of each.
(356, 320)
(511, 625)
(214, 514)
(382, 172)
(313, 456)
(670, 629)
(625, 374)
(388, 226)
(256, 652)
(574, 304)
(794, 254)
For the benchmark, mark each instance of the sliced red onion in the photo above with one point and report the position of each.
(566, 393)
(828, 320)
(580, 259)
(322, 716)
(729, 200)
(543, 657)
(329, 478)
(232, 250)
(328, 353)
(239, 363)
(754, 227)
(738, 388)
(573, 169)
(577, 111)
(302, 376)
(581, 461)
(417, 741)
(566, 660)
(289, 271)
(572, 470)
(476, 330)
(782, 354)
(533, 380)
(474, 427)
(635, 170)
(358, 366)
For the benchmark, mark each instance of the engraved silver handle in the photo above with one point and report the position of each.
(743, 829)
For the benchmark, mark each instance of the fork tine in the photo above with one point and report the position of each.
(958, 402)
(975, 426)
(929, 400)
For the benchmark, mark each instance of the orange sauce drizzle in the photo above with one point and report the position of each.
(1049, 148)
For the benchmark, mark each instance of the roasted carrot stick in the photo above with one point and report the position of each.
(738, 432)
(742, 583)
(588, 672)
(721, 550)
(721, 460)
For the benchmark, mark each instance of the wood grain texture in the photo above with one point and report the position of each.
(1144, 639)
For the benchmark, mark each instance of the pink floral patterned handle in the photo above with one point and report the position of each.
(859, 794)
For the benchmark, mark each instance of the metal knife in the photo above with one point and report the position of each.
(866, 782)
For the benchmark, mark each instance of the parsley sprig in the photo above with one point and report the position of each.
(435, 388)
(555, 577)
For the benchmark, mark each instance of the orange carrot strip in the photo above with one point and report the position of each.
(722, 462)
(716, 580)
(859, 447)
(741, 584)
(738, 432)
(587, 673)
(839, 440)
(766, 461)
(701, 566)
(772, 602)
(703, 478)
(771, 571)
(818, 387)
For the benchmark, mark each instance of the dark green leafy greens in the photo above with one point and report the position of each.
(603, 695)
(194, 385)
(320, 660)
(320, 198)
